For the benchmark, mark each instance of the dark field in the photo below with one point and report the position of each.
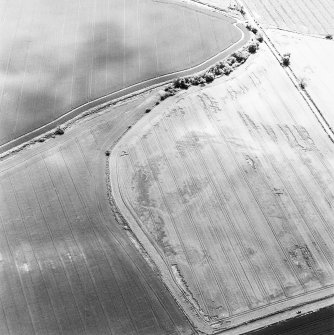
(57, 55)
(317, 323)
(66, 266)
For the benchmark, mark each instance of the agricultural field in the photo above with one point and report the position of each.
(66, 266)
(58, 55)
(222, 4)
(206, 210)
(311, 62)
(303, 16)
(316, 323)
(230, 189)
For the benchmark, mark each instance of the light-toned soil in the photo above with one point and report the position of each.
(66, 265)
(55, 56)
(311, 62)
(230, 189)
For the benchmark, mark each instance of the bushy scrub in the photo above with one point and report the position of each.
(231, 60)
(219, 69)
(227, 70)
(259, 37)
(182, 83)
(252, 48)
(59, 131)
(302, 84)
(286, 59)
(251, 28)
(209, 77)
(241, 56)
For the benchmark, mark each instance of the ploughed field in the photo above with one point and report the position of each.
(230, 188)
(66, 266)
(304, 16)
(57, 55)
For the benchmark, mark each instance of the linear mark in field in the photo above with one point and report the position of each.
(191, 219)
(167, 262)
(67, 220)
(96, 239)
(269, 189)
(297, 176)
(260, 207)
(259, 140)
(231, 221)
(174, 226)
(224, 213)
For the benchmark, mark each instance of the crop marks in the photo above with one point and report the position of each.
(231, 186)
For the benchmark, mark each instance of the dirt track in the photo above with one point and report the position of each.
(126, 91)
(66, 266)
(249, 214)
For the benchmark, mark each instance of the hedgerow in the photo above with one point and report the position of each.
(222, 68)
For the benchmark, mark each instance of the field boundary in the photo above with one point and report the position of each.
(134, 89)
(275, 312)
(294, 79)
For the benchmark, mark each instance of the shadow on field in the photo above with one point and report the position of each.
(318, 323)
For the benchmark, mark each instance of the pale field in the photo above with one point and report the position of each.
(58, 55)
(66, 266)
(304, 16)
(230, 188)
(311, 60)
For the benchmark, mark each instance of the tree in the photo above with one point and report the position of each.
(286, 59)
(252, 48)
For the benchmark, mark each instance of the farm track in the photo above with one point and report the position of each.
(172, 147)
(130, 91)
(71, 177)
(321, 118)
(103, 261)
(206, 22)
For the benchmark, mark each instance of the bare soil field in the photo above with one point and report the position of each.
(230, 189)
(311, 62)
(55, 56)
(304, 16)
(66, 266)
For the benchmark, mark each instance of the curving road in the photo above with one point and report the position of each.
(130, 90)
